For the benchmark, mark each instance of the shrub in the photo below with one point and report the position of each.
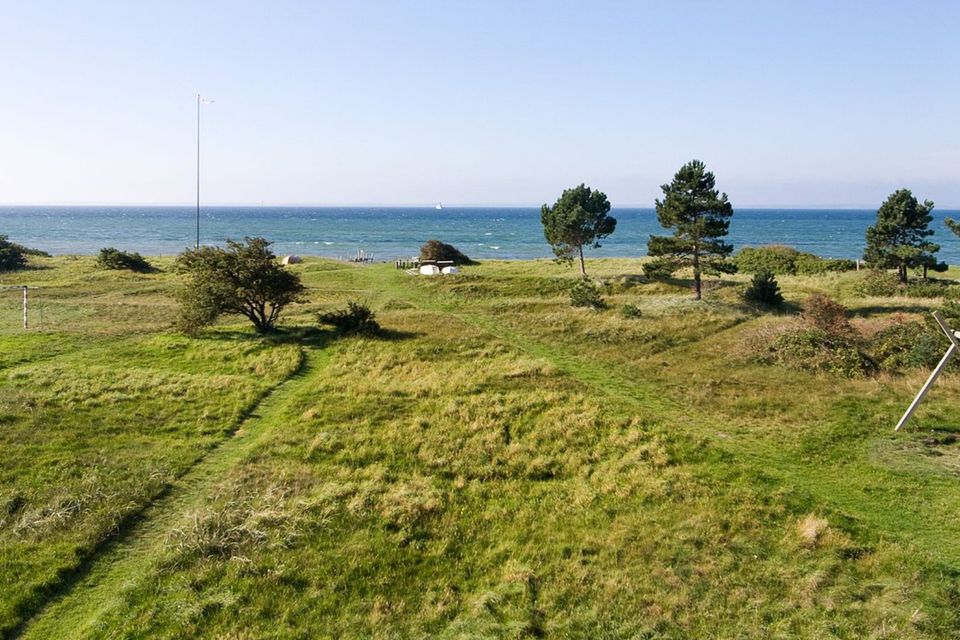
(827, 315)
(763, 289)
(356, 319)
(784, 260)
(878, 283)
(584, 293)
(659, 269)
(928, 288)
(111, 258)
(807, 264)
(436, 250)
(907, 344)
(814, 349)
(630, 311)
(14, 256)
(245, 278)
(777, 259)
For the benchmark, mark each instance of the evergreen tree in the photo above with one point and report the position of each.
(764, 289)
(699, 216)
(899, 237)
(578, 219)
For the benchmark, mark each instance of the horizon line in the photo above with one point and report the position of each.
(851, 207)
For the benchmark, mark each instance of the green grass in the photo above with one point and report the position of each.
(501, 465)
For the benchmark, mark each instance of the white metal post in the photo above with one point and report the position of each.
(25, 316)
(944, 361)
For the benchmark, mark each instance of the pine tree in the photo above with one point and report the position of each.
(578, 219)
(898, 239)
(699, 216)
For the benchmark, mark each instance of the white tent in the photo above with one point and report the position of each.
(429, 270)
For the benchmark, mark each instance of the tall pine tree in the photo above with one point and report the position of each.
(899, 238)
(699, 216)
(577, 219)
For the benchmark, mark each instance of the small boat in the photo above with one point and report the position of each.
(439, 206)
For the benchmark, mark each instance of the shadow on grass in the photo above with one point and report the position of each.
(874, 310)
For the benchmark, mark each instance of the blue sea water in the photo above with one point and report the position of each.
(386, 233)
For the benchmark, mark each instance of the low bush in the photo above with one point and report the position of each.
(907, 344)
(814, 349)
(630, 311)
(877, 283)
(784, 260)
(356, 319)
(826, 314)
(763, 289)
(931, 288)
(777, 259)
(436, 250)
(14, 256)
(110, 258)
(584, 293)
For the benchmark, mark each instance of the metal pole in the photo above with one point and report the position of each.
(25, 327)
(198, 171)
(952, 335)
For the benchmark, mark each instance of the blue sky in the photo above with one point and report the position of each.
(789, 103)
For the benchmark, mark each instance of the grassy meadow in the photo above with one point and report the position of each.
(498, 464)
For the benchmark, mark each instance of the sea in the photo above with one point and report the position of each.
(389, 233)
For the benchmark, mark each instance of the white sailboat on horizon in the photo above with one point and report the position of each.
(439, 206)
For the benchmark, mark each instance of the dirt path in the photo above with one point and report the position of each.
(98, 587)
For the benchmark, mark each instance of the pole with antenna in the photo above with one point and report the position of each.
(198, 171)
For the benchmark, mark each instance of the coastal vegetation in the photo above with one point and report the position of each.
(899, 239)
(699, 216)
(434, 250)
(780, 259)
(244, 278)
(579, 218)
(505, 465)
(14, 256)
(111, 258)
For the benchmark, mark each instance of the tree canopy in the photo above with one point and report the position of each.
(243, 278)
(578, 219)
(899, 237)
(699, 216)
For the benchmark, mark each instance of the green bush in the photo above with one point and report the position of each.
(907, 344)
(630, 311)
(659, 268)
(110, 258)
(814, 349)
(356, 319)
(14, 256)
(777, 259)
(440, 251)
(763, 289)
(929, 288)
(807, 264)
(783, 260)
(877, 283)
(584, 293)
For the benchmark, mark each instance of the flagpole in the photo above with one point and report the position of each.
(198, 171)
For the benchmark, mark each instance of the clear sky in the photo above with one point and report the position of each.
(790, 103)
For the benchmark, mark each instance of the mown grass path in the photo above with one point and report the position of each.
(98, 587)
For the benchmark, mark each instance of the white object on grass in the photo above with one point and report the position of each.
(429, 270)
(291, 260)
(449, 271)
(944, 361)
